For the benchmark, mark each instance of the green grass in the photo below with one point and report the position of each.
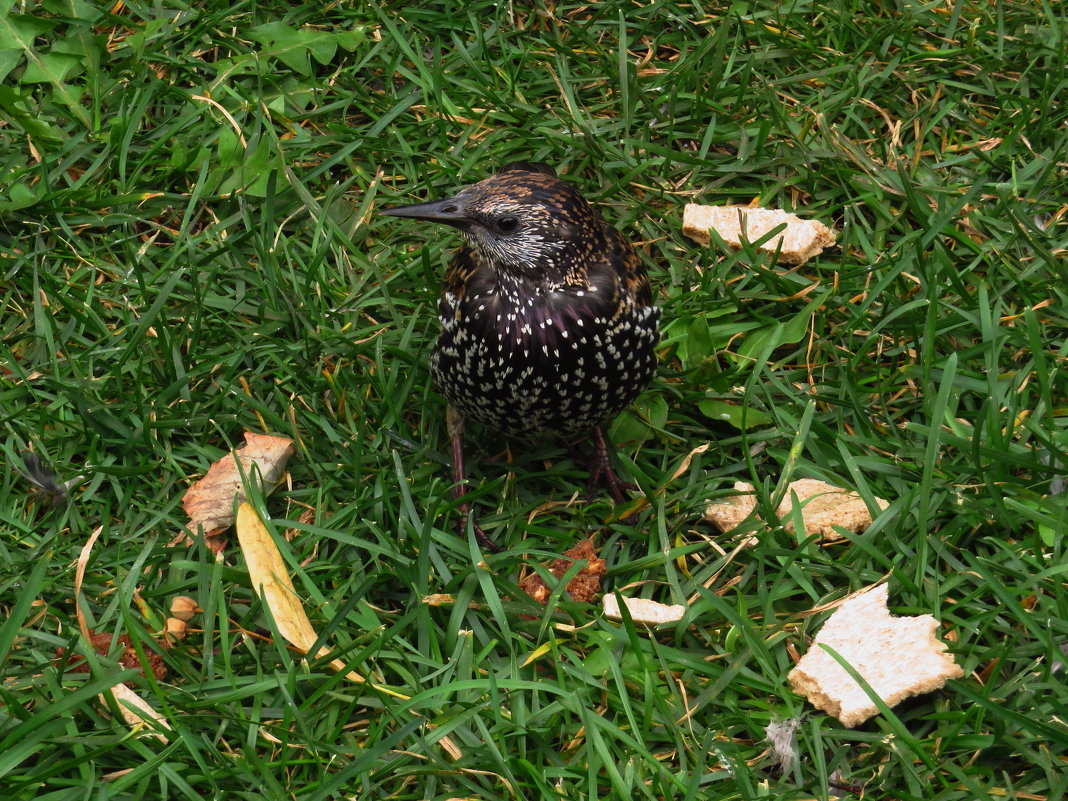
(189, 249)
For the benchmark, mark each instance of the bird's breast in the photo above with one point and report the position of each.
(548, 362)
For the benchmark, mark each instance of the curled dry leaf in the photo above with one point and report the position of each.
(210, 501)
(137, 712)
(643, 610)
(451, 748)
(585, 586)
(897, 656)
(823, 507)
(797, 243)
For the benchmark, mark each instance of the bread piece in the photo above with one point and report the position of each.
(800, 241)
(729, 513)
(642, 610)
(823, 507)
(898, 657)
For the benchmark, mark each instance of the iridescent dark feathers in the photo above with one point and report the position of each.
(547, 319)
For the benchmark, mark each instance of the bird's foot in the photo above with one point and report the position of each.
(456, 433)
(481, 537)
(603, 475)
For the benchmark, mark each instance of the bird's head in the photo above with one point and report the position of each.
(524, 220)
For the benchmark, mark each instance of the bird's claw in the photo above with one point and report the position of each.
(481, 537)
(604, 475)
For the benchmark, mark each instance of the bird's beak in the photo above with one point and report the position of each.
(449, 211)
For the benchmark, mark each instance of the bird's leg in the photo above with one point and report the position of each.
(455, 423)
(601, 471)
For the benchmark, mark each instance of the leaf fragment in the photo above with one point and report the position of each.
(138, 713)
(210, 501)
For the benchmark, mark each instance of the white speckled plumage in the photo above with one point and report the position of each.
(547, 320)
(547, 307)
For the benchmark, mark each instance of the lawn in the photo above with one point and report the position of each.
(190, 250)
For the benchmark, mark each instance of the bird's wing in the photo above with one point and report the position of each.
(623, 270)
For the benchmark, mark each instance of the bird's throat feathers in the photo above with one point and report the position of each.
(547, 261)
(525, 313)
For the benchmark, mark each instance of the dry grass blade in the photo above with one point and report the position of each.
(79, 579)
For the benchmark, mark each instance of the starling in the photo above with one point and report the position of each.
(547, 320)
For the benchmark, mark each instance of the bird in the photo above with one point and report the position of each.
(548, 325)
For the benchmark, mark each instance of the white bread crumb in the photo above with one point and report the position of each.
(897, 656)
(800, 241)
(642, 610)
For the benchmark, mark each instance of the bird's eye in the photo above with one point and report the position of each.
(507, 225)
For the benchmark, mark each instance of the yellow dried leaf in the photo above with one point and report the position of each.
(271, 581)
(538, 653)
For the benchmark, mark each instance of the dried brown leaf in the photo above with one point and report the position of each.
(210, 501)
